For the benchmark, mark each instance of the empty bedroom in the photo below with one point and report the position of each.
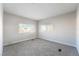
(40, 29)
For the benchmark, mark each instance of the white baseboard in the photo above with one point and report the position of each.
(60, 42)
(16, 42)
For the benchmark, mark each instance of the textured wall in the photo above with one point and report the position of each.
(64, 29)
(1, 30)
(11, 34)
(78, 28)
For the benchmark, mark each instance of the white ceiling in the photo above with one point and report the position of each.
(39, 11)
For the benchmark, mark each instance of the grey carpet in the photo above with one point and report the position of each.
(38, 47)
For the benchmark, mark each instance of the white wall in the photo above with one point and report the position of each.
(78, 29)
(1, 30)
(11, 34)
(64, 29)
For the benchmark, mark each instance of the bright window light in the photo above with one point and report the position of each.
(26, 28)
(50, 28)
(46, 28)
(43, 28)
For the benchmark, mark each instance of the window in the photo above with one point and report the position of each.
(26, 28)
(46, 28)
(43, 28)
(50, 28)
